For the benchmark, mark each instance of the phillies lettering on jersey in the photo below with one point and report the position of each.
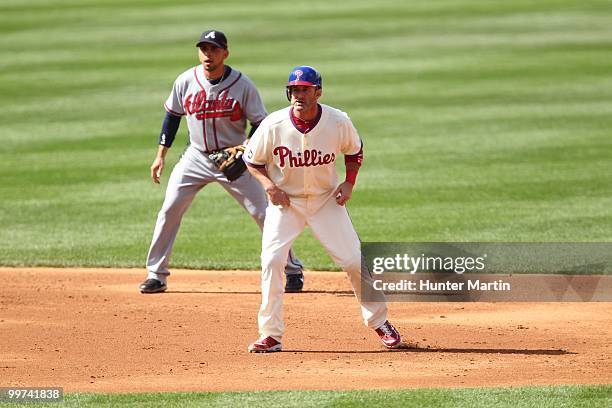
(311, 157)
(302, 164)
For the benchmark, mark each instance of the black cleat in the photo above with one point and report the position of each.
(294, 283)
(153, 286)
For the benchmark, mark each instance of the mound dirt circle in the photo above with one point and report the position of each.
(91, 330)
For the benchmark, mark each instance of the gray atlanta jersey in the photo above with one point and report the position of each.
(216, 114)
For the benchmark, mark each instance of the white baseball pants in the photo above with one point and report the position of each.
(332, 227)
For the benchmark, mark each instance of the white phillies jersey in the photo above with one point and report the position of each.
(216, 114)
(303, 164)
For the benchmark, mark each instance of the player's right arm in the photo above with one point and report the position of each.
(166, 137)
(158, 164)
(256, 156)
(172, 120)
(275, 194)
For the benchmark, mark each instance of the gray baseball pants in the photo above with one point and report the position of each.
(194, 171)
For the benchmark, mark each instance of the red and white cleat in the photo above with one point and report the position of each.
(267, 345)
(389, 335)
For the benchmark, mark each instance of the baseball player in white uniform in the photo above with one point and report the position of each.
(293, 154)
(217, 101)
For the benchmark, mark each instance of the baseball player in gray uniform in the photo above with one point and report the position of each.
(217, 101)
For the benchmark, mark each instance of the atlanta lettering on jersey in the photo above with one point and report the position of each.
(310, 157)
(215, 108)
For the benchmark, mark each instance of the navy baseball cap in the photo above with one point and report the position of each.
(214, 37)
(305, 75)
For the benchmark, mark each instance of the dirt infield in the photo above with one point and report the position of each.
(91, 330)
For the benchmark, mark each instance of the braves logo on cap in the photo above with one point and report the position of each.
(214, 37)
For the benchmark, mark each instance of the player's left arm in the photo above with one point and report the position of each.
(352, 162)
(254, 108)
(254, 127)
(352, 147)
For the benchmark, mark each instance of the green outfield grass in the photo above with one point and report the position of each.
(592, 396)
(482, 121)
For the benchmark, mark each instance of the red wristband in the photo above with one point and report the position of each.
(351, 176)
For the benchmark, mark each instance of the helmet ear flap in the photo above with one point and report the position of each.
(288, 93)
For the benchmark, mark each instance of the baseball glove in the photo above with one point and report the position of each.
(229, 161)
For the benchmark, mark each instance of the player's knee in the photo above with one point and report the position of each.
(173, 210)
(165, 215)
(273, 260)
(259, 219)
(350, 264)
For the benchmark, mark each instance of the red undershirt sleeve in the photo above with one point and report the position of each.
(357, 159)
